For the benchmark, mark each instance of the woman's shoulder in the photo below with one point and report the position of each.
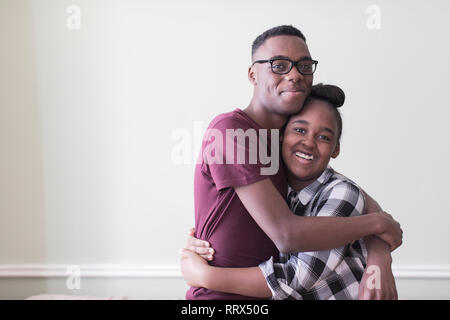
(340, 187)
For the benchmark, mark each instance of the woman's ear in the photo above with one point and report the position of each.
(336, 151)
(252, 75)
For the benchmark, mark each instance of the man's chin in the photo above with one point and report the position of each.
(293, 105)
(291, 108)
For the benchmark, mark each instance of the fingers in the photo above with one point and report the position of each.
(208, 257)
(394, 232)
(186, 253)
(194, 242)
(201, 250)
(377, 294)
(199, 246)
(388, 215)
(391, 295)
(396, 242)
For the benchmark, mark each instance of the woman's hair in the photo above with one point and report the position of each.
(331, 94)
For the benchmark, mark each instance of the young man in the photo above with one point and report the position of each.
(311, 138)
(242, 212)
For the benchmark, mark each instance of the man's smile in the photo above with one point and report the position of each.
(293, 91)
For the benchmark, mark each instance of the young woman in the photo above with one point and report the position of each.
(311, 138)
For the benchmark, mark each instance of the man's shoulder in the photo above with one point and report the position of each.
(235, 119)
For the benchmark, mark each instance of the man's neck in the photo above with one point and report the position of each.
(263, 116)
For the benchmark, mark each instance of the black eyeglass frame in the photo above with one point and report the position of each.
(315, 62)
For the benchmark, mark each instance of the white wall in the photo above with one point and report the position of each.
(88, 116)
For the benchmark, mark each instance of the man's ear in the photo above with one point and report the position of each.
(336, 151)
(252, 75)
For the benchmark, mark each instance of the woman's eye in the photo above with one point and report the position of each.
(322, 137)
(300, 130)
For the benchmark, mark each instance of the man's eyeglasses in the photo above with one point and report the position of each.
(284, 65)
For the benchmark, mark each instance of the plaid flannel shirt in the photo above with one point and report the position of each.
(321, 275)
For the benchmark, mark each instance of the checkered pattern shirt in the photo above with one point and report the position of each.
(321, 275)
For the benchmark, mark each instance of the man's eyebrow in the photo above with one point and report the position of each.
(286, 57)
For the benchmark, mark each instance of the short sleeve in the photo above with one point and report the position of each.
(345, 199)
(231, 155)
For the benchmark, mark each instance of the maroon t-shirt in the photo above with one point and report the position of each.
(220, 216)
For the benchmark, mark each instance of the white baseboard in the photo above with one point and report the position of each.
(88, 271)
(422, 272)
(149, 271)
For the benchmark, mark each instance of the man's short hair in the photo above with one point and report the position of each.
(285, 30)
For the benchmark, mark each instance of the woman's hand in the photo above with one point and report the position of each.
(194, 268)
(386, 290)
(198, 246)
(378, 282)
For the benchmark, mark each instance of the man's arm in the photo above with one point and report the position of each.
(292, 233)
(249, 282)
(306, 272)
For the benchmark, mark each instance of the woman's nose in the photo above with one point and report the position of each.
(309, 141)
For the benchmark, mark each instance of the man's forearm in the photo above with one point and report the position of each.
(243, 281)
(326, 233)
(292, 233)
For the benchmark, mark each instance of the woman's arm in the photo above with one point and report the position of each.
(249, 282)
(291, 278)
(292, 233)
(379, 255)
(244, 281)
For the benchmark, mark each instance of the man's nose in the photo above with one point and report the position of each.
(294, 75)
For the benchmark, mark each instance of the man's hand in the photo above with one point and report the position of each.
(378, 282)
(198, 246)
(394, 239)
(193, 268)
(389, 230)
